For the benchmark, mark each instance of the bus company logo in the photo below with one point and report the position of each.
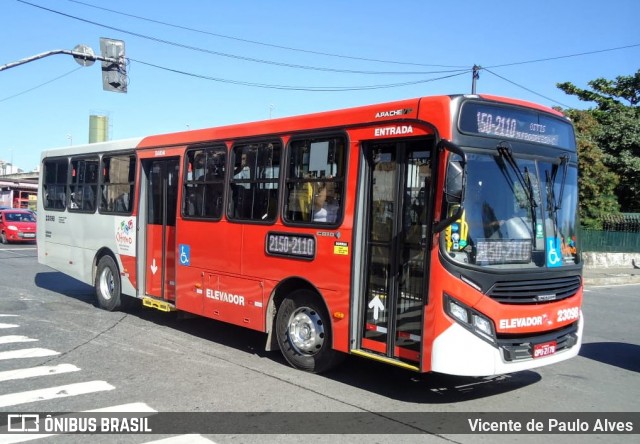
(393, 130)
(124, 232)
(393, 113)
(529, 321)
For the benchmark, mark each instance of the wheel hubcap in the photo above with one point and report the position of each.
(306, 331)
(106, 284)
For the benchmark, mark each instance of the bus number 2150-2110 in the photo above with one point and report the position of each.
(293, 245)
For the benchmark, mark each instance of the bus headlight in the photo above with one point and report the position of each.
(470, 319)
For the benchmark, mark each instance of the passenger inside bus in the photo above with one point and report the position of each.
(325, 203)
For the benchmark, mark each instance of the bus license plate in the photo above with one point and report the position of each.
(544, 349)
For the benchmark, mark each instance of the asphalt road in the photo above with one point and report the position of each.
(149, 361)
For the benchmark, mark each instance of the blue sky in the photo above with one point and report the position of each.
(47, 103)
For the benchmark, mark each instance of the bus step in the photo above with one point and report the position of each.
(384, 359)
(158, 304)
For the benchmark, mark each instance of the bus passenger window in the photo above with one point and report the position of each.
(117, 184)
(54, 184)
(254, 182)
(204, 183)
(315, 181)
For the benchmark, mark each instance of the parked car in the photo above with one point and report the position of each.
(17, 226)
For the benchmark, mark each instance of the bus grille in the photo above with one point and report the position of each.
(534, 291)
(518, 349)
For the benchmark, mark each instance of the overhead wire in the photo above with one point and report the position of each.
(297, 88)
(235, 56)
(524, 87)
(40, 85)
(450, 73)
(254, 42)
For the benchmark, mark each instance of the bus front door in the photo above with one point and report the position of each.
(397, 236)
(160, 194)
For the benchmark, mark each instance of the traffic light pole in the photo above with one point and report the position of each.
(81, 57)
(114, 63)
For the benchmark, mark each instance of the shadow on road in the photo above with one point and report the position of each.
(618, 354)
(65, 285)
(392, 382)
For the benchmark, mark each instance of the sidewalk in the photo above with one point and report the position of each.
(611, 268)
(611, 276)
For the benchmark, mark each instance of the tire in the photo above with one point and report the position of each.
(3, 238)
(108, 287)
(303, 330)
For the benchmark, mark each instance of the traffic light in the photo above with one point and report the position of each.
(114, 71)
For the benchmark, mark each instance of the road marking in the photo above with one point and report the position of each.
(134, 407)
(15, 338)
(8, 316)
(27, 353)
(62, 391)
(43, 370)
(2, 325)
(182, 439)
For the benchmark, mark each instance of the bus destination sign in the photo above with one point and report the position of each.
(291, 245)
(513, 123)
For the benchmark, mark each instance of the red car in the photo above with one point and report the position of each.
(17, 226)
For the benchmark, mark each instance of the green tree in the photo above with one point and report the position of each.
(618, 134)
(596, 183)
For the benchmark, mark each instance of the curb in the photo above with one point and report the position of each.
(611, 279)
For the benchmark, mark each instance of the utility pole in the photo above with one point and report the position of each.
(475, 76)
(114, 67)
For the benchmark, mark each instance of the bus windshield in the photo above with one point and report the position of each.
(518, 213)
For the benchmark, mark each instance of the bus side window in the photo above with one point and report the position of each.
(254, 182)
(315, 181)
(204, 183)
(55, 183)
(117, 183)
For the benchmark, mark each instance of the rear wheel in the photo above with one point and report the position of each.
(304, 333)
(108, 289)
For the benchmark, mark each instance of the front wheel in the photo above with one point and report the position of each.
(108, 290)
(304, 333)
(3, 238)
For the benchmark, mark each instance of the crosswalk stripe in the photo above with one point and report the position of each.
(182, 439)
(3, 325)
(32, 372)
(2, 315)
(15, 338)
(62, 391)
(27, 353)
(134, 407)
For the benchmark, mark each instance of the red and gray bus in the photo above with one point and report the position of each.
(434, 234)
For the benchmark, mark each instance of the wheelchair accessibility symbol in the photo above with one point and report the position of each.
(554, 259)
(185, 255)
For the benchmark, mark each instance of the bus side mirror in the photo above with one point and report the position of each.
(455, 182)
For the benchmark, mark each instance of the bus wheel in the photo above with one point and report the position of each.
(108, 284)
(304, 333)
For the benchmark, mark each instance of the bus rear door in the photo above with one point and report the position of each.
(391, 312)
(158, 208)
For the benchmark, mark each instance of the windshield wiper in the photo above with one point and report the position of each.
(564, 164)
(505, 151)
